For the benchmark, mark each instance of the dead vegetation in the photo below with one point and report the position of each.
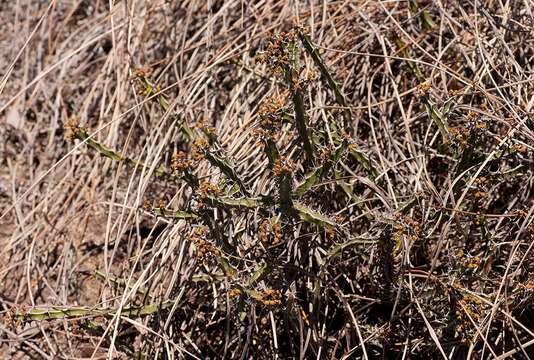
(273, 179)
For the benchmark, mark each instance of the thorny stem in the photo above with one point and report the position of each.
(300, 118)
(72, 312)
(285, 192)
(82, 135)
(217, 161)
(340, 98)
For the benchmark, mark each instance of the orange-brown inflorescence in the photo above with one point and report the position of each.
(405, 227)
(304, 316)
(270, 112)
(270, 297)
(424, 88)
(199, 238)
(520, 148)
(199, 148)
(180, 162)
(283, 165)
(270, 109)
(147, 205)
(141, 73)
(467, 262)
(270, 232)
(279, 51)
(465, 136)
(234, 292)
(72, 127)
(469, 309)
(207, 189)
(459, 136)
(201, 124)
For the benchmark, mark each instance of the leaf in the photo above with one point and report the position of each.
(316, 57)
(242, 310)
(436, 116)
(258, 274)
(406, 206)
(175, 214)
(250, 203)
(314, 217)
(50, 313)
(117, 281)
(226, 267)
(226, 169)
(348, 191)
(337, 249)
(448, 106)
(363, 159)
(116, 156)
(320, 172)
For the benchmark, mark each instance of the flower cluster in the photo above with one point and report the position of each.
(199, 148)
(466, 135)
(270, 109)
(207, 189)
(469, 308)
(424, 88)
(270, 232)
(198, 237)
(234, 292)
(269, 297)
(73, 127)
(270, 113)
(180, 162)
(210, 130)
(283, 165)
(467, 262)
(459, 136)
(279, 52)
(141, 73)
(406, 227)
(10, 316)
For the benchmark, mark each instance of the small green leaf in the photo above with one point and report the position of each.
(258, 274)
(175, 214)
(314, 217)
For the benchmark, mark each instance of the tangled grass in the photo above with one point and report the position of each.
(273, 179)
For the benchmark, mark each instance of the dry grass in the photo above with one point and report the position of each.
(203, 180)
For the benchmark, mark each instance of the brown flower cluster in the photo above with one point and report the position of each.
(270, 113)
(10, 315)
(141, 73)
(210, 130)
(405, 227)
(466, 135)
(234, 292)
(199, 148)
(468, 309)
(270, 109)
(522, 149)
(467, 262)
(279, 51)
(424, 88)
(207, 189)
(269, 297)
(459, 136)
(270, 232)
(180, 162)
(72, 127)
(283, 165)
(198, 237)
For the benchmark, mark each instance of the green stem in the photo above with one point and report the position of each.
(340, 98)
(114, 155)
